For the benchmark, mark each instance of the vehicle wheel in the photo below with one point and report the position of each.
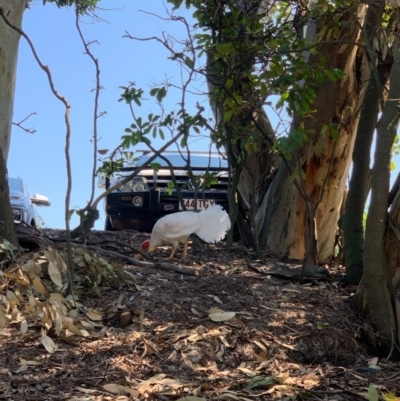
(33, 223)
(108, 226)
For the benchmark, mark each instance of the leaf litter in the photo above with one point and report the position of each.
(139, 332)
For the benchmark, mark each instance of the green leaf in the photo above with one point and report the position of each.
(161, 133)
(155, 166)
(161, 94)
(372, 393)
(154, 91)
(189, 62)
(331, 75)
(228, 115)
(282, 100)
(261, 381)
(322, 326)
(323, 129)
(228, 83)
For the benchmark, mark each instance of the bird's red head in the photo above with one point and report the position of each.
(145, 245)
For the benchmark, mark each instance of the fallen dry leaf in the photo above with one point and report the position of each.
(49, 344)
(55, 274)
(94, 315)
(24, 326)
(39, 287)
(120, 390)
(221, 316)
(2, 319)
(186, 360)
(247, 371)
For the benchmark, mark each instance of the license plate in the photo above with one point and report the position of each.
(191, 203)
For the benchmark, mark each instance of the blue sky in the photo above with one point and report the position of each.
(39, 158)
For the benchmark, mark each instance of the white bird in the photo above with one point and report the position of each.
(209, 224)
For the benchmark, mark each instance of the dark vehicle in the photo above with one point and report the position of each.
(23, 205)
(151, 194)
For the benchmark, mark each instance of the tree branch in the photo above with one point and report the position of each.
(27, 130)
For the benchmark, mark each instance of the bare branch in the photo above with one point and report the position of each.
(27, 130)
(97, 89)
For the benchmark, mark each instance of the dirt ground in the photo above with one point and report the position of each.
(235, 328)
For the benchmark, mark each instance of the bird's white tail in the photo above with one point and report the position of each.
(215, 223)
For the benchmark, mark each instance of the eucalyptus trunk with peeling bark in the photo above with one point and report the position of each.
(325, 160)
(242, 58)
(9, 43)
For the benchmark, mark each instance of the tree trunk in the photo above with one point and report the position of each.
(352, 222)
(7, 228)
(9, 43)
(276, 210)
(392, 253)
(324, 160)
(248, 134)
(376, 291)
(392, 241)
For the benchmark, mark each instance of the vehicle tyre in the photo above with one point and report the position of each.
(108, 226)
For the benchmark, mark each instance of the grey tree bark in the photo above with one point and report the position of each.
(352, 221)
(376, 292)
(9, 44)
(325, 161)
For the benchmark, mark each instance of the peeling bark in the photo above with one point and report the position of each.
(322, 158)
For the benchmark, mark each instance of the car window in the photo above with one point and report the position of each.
(195, 160)
(15, 184)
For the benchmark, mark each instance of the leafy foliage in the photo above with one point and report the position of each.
(83, 5)
(144, 129)
(254, 55)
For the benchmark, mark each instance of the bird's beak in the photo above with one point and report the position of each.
(151, 249)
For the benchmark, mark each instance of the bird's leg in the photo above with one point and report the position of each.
(173, 252)
(185, 250)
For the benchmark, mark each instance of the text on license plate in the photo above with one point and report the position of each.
(201, 203)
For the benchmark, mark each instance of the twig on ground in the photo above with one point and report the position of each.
(135, 262)
(116, 242)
